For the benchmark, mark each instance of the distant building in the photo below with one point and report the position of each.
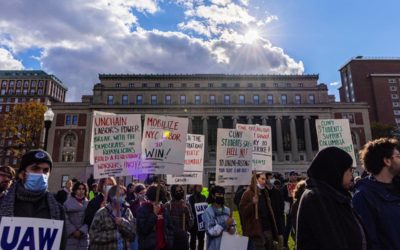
(376, 82)
(19, 86)
(288, 103)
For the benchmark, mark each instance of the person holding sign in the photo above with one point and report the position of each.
(196, 197)
(326, 219)
(377, 197)
(113, 226)
(75, 206)
(28, 196)
(217, 218)
(259, 217)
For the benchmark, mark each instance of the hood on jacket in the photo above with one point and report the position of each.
(329, 166)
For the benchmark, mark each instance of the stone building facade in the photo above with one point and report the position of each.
(288, 103)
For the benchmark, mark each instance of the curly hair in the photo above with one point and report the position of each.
(374, 152)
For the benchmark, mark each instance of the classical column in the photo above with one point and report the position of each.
(190, 126)
(279, 139)
(220, 124)
(307, 135)
(234, 118)
(205, 133)
(249, 119)
(293, 138)
(264, 120)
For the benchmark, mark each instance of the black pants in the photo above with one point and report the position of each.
(200, 237)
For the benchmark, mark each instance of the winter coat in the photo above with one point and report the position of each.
(379, 210)
(94, 205)
(74, 216)
(193, 199)
(146, 222)
(215, 225)
(104, 233)
(326, 220)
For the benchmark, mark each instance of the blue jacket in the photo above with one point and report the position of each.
(214, 223)
(379, 210)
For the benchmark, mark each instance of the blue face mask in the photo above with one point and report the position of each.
(36, 182)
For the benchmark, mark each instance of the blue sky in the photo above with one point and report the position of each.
(78, 39)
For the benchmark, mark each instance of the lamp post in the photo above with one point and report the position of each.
(48, 119)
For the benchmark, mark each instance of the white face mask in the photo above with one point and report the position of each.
(271, 181)
(260, 187)
(107, 188)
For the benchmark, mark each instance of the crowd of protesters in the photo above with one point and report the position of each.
(323, 210)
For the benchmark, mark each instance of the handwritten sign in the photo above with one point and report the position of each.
(116, 144)
(194, 156)
(335, 132)
(234, 157)
(164, 144)
(30, 233)
(200, 208)
(262, 146)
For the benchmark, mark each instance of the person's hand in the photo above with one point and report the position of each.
(255, 199)
(229, 221)
(118, 220)
(156, 209)
(77, 234)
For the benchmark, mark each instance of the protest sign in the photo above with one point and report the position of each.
(164, 144)
(233, 241)
(234, 155)
(262, 146)
(335, 132)
(194, 156)
(200, 208)
(31, 233)
(116, 145)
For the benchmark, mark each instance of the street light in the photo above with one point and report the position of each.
(48, 119)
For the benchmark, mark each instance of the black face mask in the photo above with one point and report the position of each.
(178, 196)
(220, 200)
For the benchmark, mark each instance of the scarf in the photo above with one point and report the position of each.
(17, 190)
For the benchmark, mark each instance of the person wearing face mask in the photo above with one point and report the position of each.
(217, 218)
(75, 205)
(28, 196)
(7, 175)
(264, 226)
(99, 200)
(196, 197)
(181, 217)
(113, 226)
(140, 193)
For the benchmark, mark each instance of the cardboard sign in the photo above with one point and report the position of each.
(116, 141)
(164, 144)
(233, 241)
(234, 157)
(200, 208)
(335, 132)
(262, 146)
(194, 156)
(30, 233)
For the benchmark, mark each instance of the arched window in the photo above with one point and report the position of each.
(69, 146)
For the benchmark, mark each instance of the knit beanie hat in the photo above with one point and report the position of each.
(329, 166)
(35, 156)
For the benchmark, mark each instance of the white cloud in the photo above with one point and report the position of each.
(228, 14)
(221, 2)
(336, 83)
(145, 5)
(196, 26)
(8, 62)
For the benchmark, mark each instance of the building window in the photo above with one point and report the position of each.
(197, 85)
(110, 99)
(394, 96)
(210, 85)
(283, 99)
(117, 85)
(139, 99)
(288, 84)
(256, 99)
(297, 99)
(349, 117)
(224, 85)
(68, 120)
(153, 99)
(311, 99)
(249, 85)
(393, 88)
(131, 85)
(157, 85)
(197, 99)
(8, 108)
(25, 91)
(392, 80)
(3, 92)
(270, 99)
(74, 119)
(227, 99)
(212, 99)
(33, 84)
(301, 85)
(167, 99)
(1, 108)
(398, 121)
(124, 99)
(242, 99)
(170, 85)
(69, 147)
(396, 104)
(26, 84)
(276, 85)
(263, 85)
(40, 84)
(11, 84)
(183, 85)
(40, 91)
(396, 112)
(182, 99)
(237, 85)
(4, 83)
(144, 85)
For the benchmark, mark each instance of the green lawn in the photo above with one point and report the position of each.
(239, 229)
